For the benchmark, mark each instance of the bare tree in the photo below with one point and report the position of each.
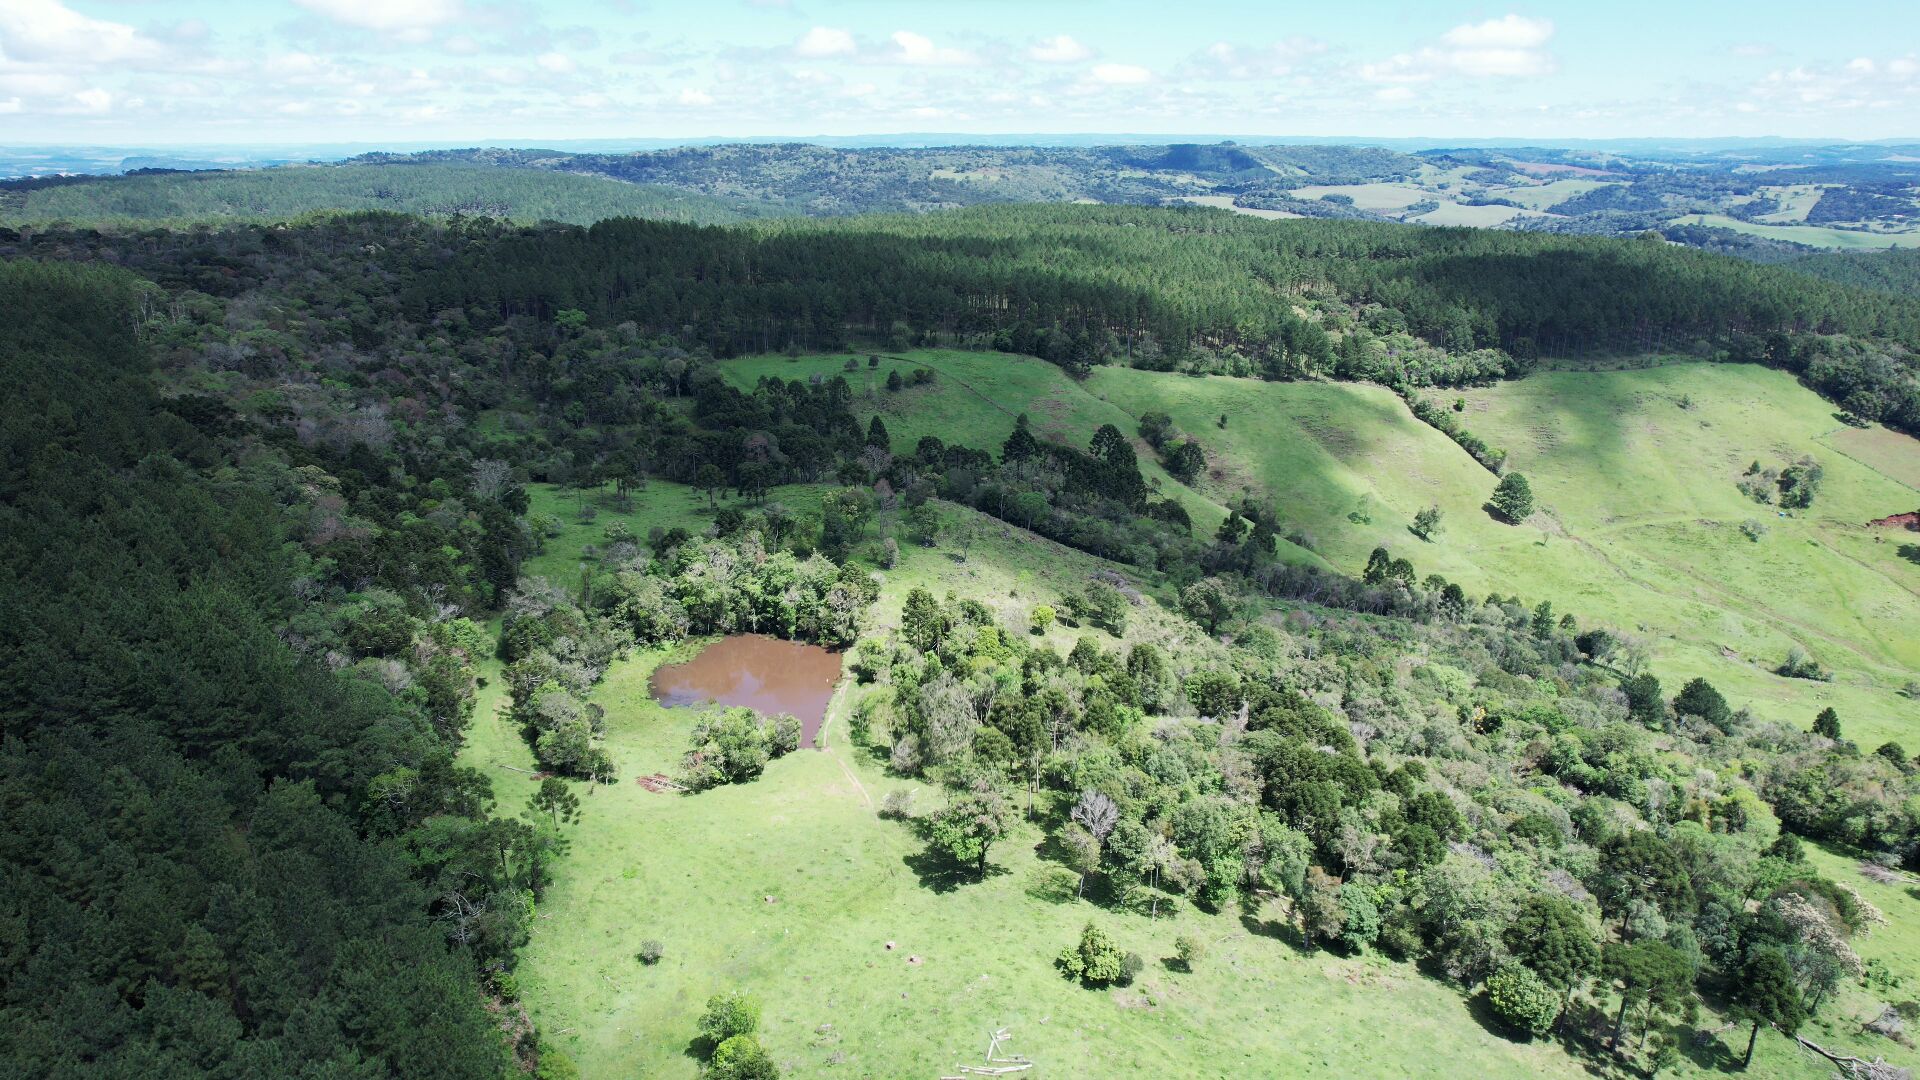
(490, 479)
(1097, 814)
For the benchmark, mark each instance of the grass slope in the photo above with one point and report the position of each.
(433, 189)
(1640, 521)
(696, 873)
(974, 400)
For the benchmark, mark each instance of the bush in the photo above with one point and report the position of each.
(1042, 618)
(651, 951)
(729, 1015)
(897, 804)
(555, 1065)
(1190, 948)
(1753, 530)
(741, 1058)
(1800, 665)
(1523, 1000)
(1095, 961)
(1131, 965)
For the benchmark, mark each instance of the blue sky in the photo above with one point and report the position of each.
(232, 71)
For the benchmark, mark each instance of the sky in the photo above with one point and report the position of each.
(165, 72)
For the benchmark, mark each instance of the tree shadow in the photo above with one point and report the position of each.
(1276, 930)
(1909, 552)
(1496, 514)
(1709, 1051)
(1480, 1007)
(940, 874)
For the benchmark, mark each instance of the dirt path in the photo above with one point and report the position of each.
(835, 709)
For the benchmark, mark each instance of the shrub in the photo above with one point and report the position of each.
(555, 1065)
(741, 1058)
(651, 951)
(1131, 965)
(1042, 618)
(1799, 664)
(1753, 530)
(729, 1015)
(1190, 948)
(897, 804)
(1096, 960)
(1523, 999)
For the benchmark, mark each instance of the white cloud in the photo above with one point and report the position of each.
(1224, 60)
(1507, 32)
(1863, 82)
(94, 100)
(1121, 74)
(1060, 49)
(825, 41)
(1507, 47)
(1393, 93)
(918, 49)
(48, 32)
(697, 99)
(557, 62)
(11, 105)
(386, 16)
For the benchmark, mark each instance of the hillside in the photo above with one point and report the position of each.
(1636, 473)
(1896, 270)
(395, 520)
(433, 190)
(829, 913)
(1640, 515)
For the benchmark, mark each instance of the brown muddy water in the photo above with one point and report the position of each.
(766, 674)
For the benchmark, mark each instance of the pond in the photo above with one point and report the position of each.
(766, 674)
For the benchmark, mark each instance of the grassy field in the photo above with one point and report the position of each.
(1635, 472)
(1382, 197)
(974, 400)
(1641, 520)
(1813, 235)
(791, 887)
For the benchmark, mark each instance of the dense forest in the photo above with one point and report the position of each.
(1896, 270)
(231, 799)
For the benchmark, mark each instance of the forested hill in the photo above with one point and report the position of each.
(204, 833)
(437, 189)
(1293, 297)
(1175, 288)
(1895, 271)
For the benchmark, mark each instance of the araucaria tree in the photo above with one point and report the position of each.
(1766, 993)
(1513, 498)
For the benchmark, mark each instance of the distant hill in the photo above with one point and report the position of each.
(428, 188)
(820, 180)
